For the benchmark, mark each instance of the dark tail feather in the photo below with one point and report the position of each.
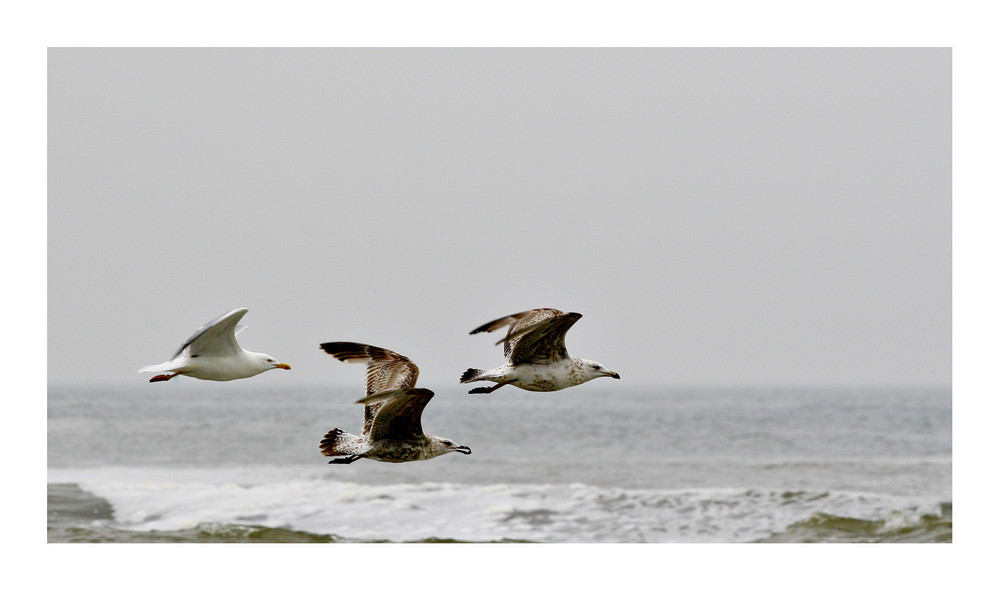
(470, 375)
(332, 441)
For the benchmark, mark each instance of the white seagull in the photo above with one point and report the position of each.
(535, 347)
(212, 353)
(393, 406)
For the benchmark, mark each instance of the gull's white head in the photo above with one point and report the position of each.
(442, 445)
(264, 362)
(593, 369)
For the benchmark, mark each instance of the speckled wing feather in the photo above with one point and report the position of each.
(398, 418)
(517, 325)
(543, 342)
(387, 370)
(217, 337)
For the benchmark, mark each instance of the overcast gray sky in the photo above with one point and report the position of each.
(718, 216)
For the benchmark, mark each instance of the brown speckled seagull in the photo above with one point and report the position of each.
(535, 347)
(393, 405)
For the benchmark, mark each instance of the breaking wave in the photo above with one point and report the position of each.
(142, 506)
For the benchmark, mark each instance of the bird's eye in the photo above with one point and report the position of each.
(270, 360)
(448, 442)
(596, 366)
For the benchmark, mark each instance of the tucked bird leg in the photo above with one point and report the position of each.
(485, 390)
(346, 460)
(163, 377)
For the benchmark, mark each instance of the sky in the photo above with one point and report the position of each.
(720, 217)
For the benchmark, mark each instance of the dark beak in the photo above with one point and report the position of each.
(463, 449)
(614, 375)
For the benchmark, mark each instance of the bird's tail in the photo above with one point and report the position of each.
(471, 375)
(338, 443)
(159, 367)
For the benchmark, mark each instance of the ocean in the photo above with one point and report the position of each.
(595, 463)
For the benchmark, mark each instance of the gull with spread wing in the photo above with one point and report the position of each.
(535, 348)
(212, 353)
(393, 406)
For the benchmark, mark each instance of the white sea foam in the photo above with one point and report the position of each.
(654, 466)
(308, 499)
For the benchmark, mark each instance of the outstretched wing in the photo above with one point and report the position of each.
(217, 338)
(533, 336)
(544, 342)
(398, 415)
(387, 370)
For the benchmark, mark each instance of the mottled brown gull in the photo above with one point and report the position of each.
(393, 406)
(212, 353)
(535, 348)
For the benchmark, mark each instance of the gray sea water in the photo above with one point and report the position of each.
(592, 464)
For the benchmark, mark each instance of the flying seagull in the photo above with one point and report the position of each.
(393, 405)
(212, 353)
(535, 348)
